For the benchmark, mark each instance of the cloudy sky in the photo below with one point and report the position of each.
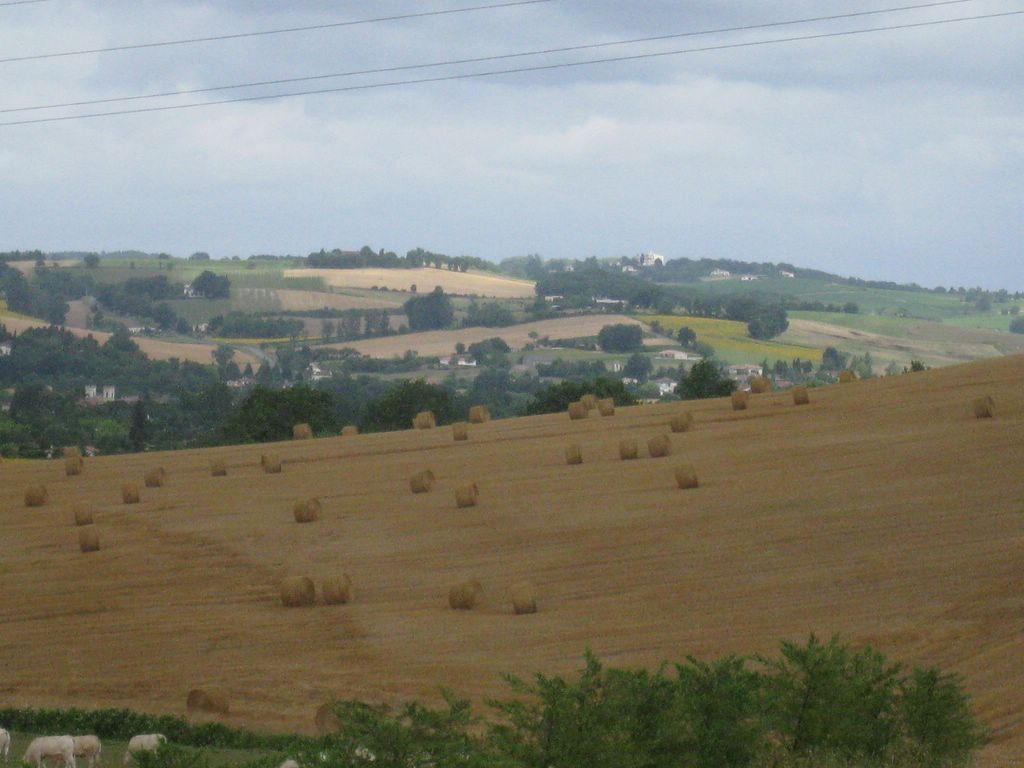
(894, 155)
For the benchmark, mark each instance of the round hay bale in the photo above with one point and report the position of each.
(740, 400)
(800, 396)
(628, 450)
(465, 595)
(460, 431)
(466, 496)
(73, 461)
(36, 496)
(271, 464)
(302, 432)
(338, 590)
(89, 539)
(349, 430)
(590, 401)
(523, 597)
(659, 447)
(760, 384)
(326, 721)
(424, 420)
(155, 478)
(130, 493)
(573, 454)
(422, 482)
(577, 411)
(298, 592)
(210, 701)
(218, 468)
(83, 515)
(847, 376)
(686, 477)
(479, 414)
(606, 407)
(984, 407)
(681, 422)
(306, 510)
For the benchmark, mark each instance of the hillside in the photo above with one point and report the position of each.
(443, 342)
(883, 511)
(471, 283)
(156, 349)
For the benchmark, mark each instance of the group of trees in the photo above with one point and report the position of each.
(430, 312)
(418, 257)
(242, 325)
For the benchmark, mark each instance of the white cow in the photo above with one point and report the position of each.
(144, 742)
(5, 744)
(289, 763)
(88, 747)
(47, 747)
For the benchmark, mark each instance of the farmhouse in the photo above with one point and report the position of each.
(743, 372)
(5, 349)
(666, 386)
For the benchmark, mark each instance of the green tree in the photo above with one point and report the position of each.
(705, 380)
(138, 430)
(686, 336)
(638, 366)
(556, 398)
(400, 404)
(212, 285)
(620, 338)
(429, 312)
(91, 260)
(937, 718)
(266, 415)
(1017, 325)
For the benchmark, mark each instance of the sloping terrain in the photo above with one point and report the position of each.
(883, 511)
(157, 349)
(425, 279)
(443, 342)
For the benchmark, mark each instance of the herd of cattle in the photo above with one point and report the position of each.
(66, 748)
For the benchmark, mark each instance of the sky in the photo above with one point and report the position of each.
(895, 155)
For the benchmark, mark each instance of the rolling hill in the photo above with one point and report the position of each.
(883, 511)
(470, 283)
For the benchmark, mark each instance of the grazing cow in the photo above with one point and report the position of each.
(47, 747)
(144, 742)
(89, 748)
(5, 744)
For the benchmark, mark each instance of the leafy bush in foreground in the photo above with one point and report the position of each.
(820, 704)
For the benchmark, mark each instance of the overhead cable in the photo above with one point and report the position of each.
(518, 70)
(265, 32)
(479, 59)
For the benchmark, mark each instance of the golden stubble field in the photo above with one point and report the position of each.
(472, 283)
(882, 511)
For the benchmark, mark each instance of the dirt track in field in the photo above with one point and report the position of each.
(882, 511)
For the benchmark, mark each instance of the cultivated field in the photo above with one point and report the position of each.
(310, 301)
(425, 279)
(443, 342)
(882, 511)
(157, 349)
(891, 339)
(732, 341)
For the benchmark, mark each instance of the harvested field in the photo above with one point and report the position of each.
(883, 511)
(310, 301)
(443, 342)
(459, 283)
(157, 349)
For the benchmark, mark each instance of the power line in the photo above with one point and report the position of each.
(480, 59)
(517, 70)
(23, 2)
(265, 32)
